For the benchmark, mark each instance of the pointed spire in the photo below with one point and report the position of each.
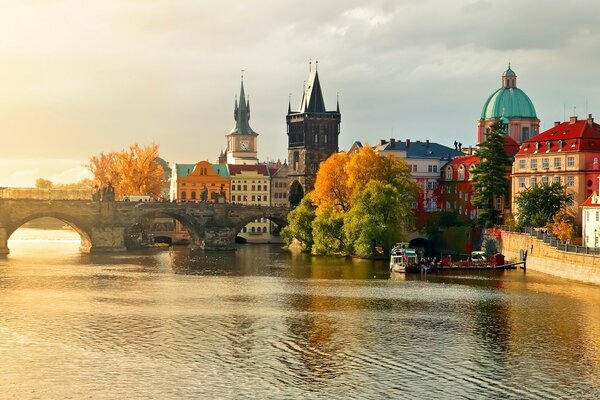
(290, 104)
(242, 113)
(338, 102)
(312, 99)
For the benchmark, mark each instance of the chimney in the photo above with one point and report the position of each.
(590, 120)
(572, 120)
(556, 123)
(392, 142)
(407, 142)
(382, 141)
(427, 142)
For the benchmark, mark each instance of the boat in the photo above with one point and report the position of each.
(403, 258)
(476, 260)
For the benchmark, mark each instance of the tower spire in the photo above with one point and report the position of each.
(242, 112)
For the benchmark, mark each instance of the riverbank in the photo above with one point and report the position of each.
(549, 260)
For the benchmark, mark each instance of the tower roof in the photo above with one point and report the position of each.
(241, 114)
(312, 98)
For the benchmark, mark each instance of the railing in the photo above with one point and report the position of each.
(547, 238)
(45, 194)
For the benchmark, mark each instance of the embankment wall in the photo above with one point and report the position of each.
(547, 259)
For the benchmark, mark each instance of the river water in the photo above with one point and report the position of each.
(262, 323)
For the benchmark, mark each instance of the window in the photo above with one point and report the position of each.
(461, 173)
(449, 173)
(545, 163)
(183, 195)
(245, 187)
(587, 215)
(533, 163)
(265, 188)
(524, 133)
(521, 164)
(431, 185)
(556, 179)
(521, 183)
(253, 188)
(193, 195)
(253, 198)
(597, 216)
(570, 181)
(414, 168)
(533, 181)
(499, 203)
(544, 180)
(557, 163)
(570, 161)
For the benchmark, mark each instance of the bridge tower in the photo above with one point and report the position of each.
(312, 137)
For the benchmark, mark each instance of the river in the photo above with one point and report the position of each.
(263, 323)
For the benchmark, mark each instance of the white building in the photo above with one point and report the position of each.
(590, 217)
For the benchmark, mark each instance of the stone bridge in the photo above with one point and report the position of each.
(103, 225)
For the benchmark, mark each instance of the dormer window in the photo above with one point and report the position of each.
(537, 146)
(548, 143)
(560, 145)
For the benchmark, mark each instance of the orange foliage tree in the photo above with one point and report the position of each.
(131, 171)
(331, 190)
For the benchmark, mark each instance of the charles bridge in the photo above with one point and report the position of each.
(103, 226)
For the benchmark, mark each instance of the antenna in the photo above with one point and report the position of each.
(309, 64)
(243, 74)
(317, 64)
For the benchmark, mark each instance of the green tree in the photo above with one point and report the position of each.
(491, 174)
(299, 226)
(328, 233)
(377, 219)
(537, 205)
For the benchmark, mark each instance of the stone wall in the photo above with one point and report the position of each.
(549, 260)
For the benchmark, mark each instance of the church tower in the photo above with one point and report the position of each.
(242, 140)
(312, 137)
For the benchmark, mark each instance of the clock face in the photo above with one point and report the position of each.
(244, 145)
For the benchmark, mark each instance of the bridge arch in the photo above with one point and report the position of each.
(80, 227)
(186, 220)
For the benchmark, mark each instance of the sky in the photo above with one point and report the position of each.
(79, 78)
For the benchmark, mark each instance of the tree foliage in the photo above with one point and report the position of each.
(42, 183)
(131, 171)
(562, 226)
(362, 201)
(300, 221)
(490, 174)
(537, 205)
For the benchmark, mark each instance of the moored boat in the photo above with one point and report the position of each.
(403, 258)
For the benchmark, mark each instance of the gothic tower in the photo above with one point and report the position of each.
(312, 137)
(242, 141)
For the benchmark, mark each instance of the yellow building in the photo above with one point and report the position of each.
(200, 182)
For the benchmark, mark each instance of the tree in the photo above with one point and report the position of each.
(300, 221)
(132, 171)
(537, 205)
(562, 226)
(490, 174)
(42, 183)
(328, 233)
(331, 187)
(378, 217)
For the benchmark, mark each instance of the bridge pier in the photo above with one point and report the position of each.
(219, 238)
(106, 240)
(4, 241)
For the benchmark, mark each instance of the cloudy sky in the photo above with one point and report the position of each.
(79, 78)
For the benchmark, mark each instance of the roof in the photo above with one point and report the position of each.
(282, 171)
(570, 136)
(220, 169)
(592, 201)
(509, 72)
(466, 160)
(419, 149)
(508, 103)
(241, 114)
(312, 98)
(235, 169)
(183, 170)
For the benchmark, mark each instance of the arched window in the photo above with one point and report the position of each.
(296, 160)
(461, 173)
(253, 230)
(183, 195)
(524, 133)
(193, 195)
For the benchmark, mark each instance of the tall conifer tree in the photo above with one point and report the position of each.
(491, 174)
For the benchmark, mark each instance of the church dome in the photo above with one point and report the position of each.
(508, 101)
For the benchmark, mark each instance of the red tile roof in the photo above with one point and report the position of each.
(569, 136)
(589, 202)
(466, 160)
(235, 169)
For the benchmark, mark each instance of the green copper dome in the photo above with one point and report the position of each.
(508, 103)
(509, 72)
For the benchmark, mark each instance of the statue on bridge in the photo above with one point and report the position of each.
(107, 193)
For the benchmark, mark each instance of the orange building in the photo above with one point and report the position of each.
(200, 182)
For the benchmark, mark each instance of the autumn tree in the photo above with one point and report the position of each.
(562, 226)
(331, 187)
(491, 174)
(132, 171)
(42, 183)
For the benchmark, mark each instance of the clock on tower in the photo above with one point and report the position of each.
(244, 145)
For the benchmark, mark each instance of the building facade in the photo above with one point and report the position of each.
(200, 182)
(590, 221)
(513, 107)
(312, 137)
(279, 184)
(567, 153)
(457, 187)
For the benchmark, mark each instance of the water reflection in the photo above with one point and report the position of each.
(262, 323)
